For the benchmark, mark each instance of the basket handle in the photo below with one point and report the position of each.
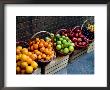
(61, 30)
(75, 28)
(39, 33)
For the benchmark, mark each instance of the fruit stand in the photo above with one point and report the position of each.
(49, 51)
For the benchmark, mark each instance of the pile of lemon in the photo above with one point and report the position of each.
(25, 61)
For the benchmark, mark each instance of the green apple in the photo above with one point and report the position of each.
(62, 46)
(66, 50)
(64, 41)
(61, 50)
(67, 38)
(58, 47)
(58, 35)
(58, 42)
(71, 48)
(55, 39)
(61, 39)
(66, 44)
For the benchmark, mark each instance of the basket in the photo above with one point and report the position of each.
(62, 32)
(42, 35)
(85, 39)
(89, 35)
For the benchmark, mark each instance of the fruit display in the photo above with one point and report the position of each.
(25, 61)
(43, 49)
(63, 44)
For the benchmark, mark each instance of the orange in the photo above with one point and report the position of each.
(49, 46)
(42, 49)
(46, 44)
(29, 60)
(32, 48)
(43, 56)
(33, 42)
(37, 52)
(33, 56)
(37, 43)
(48, 58)
(35, 46)
(42, 40)
(37, 39)
(39, 57)
(41, 44)
(30, 43)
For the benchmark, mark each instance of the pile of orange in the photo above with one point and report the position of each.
(25, 61)
(42, 48)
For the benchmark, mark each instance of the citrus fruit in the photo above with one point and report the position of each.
(35, 46)
(24, 64)
(39, 57)
(29, 60)
(34, 65)
(19, 47)
(23, 71)
(43, 56)
(23, 57)
(18, 69)
(29, 69)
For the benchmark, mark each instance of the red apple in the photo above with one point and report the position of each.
(84, 43)
(76, 35)
(80, 43)
(74, 39)
(78, 31)
(79, 39)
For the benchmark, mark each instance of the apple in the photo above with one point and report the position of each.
(84, 43)
(81, 36)
(66, 44)
(58, 42)
(79, 39)
(61, 50)
(76, 35)
(64, 41)
(80, 43)
(58, 47)
(61, 39)
(55, 39)
(74, 39)
(66, 38)
(58, 35)
(66, 50)
(71, 48)
(78, 31)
